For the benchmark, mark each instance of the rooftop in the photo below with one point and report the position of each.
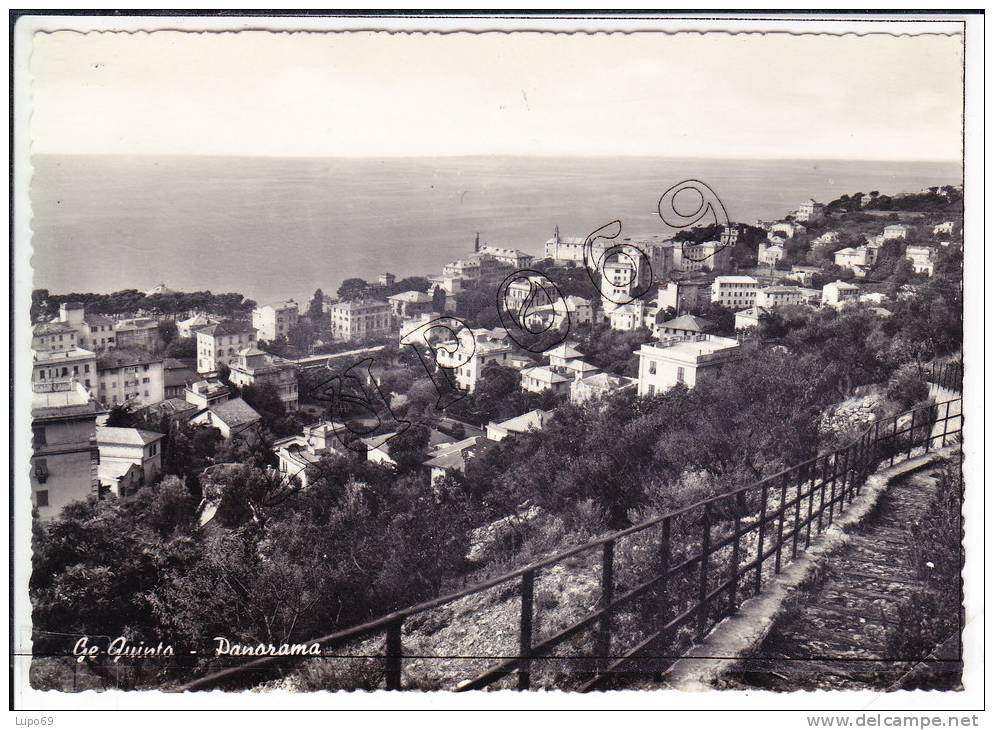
(107, 435)
(525, 422)
(698, 348)
(735, 280)
(51, 328)
(416, 297)
(543, 374)
(690, 323)
(235, 412)
(125, 357)
(228, 327)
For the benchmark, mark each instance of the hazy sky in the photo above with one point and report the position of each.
(376, 94)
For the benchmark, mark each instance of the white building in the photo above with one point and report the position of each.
(531, 421)
(685, 324)
(779, 296)
(132, 376)
(472, 350)
(922, 259)
(64, 454)
(627, 317)
(189, 327)
(769, 254)
(600, 385)
(687, 360)
(123, 449)
(734, 292)
(511, 256)
(682, 296)
(543, 377)
(563, 249)
(275, 320)
(255, 367)
(138, 332)
(947, 228)
(57, 358)
(206, 393)
(896, 231)
(839, 293)
(810, 211)
(219, 344)
(231, 417)
(748, 318)
(360, 319)
(298, 452)
(410, 304)
(454, 456)
(804, 274)
(93, 331)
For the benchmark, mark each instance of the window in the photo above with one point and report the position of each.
(38, 436)
(42, 497)
(679, 375)
(145, 380)
(652, 367)
(41, 470)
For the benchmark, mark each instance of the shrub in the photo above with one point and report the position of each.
(907, 387)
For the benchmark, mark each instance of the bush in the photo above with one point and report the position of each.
(907, 387)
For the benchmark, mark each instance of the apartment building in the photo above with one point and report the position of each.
(680, 359)
(219, 344)
(358, 320)
(734, 292)
(275, 320)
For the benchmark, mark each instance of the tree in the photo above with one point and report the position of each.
(408, 449)
(121, 416)
(182, 348)
(353, 288)
(167, 331)
(315, 309)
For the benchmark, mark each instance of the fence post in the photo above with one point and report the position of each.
(783, 515)
(525, 636)
(740, 508)
(911, 433)
(607, 597)
(813, 473)
(393, 654)
(893, 444)
(801, 478)
(759, 541)
(702, 611)
(664, 585)
(945, 424)
(824, 483)
(876, 445)
(831, 499)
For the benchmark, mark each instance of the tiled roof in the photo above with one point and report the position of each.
(235, 412)
(229, 327)
(52, 328)
(98, 319)
(690, 323)
(417, 297)
(127, 436)
(544, 374)
(125, 357)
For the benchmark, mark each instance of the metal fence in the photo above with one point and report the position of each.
(664, 583)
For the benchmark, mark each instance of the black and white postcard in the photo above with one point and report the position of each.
(424, 359)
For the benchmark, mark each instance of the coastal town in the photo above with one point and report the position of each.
(215, 411)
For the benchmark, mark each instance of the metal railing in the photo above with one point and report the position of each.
(688, 570)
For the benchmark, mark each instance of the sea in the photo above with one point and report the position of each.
(278, 228)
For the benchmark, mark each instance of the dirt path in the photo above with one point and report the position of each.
(832, 634)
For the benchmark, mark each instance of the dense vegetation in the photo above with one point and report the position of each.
(279, 563)
(45, 306)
